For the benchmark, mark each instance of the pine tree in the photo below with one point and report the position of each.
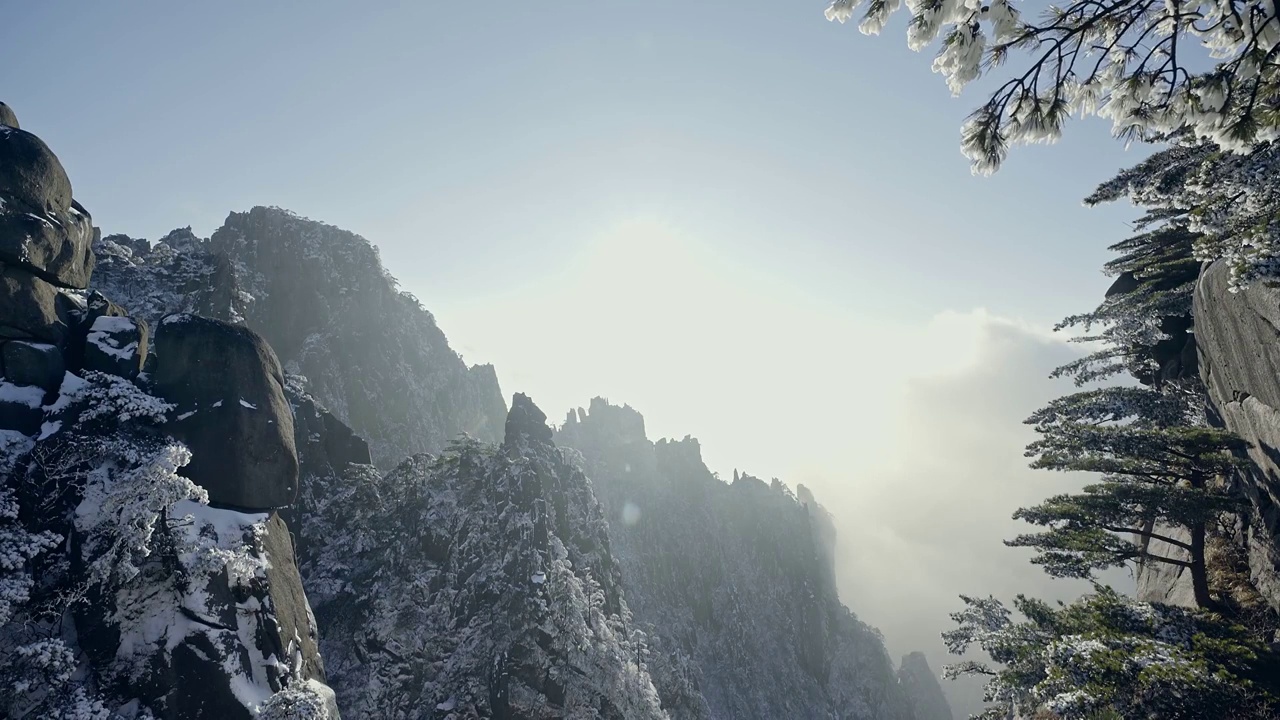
(1109, 657)
(1128, 62)
(1156, 468)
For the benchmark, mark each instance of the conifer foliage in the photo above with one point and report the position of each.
(1156, 470)
(1138, 63)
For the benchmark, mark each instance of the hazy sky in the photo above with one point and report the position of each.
(752, 225)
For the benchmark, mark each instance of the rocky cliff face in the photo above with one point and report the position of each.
(1238, 335)
(920, 686)
(320, 296)
(482, 577)
(476, 583)
(144, 570)
(734, 580)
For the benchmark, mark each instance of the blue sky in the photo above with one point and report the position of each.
(477, 143)
(753, 225)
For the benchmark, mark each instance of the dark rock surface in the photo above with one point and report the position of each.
(31, 308)
(232, 412)
(920, 685)
(30, 174)
(28, 363)
(20, 408)
(53, 245)
(116, 345)
(7, 117)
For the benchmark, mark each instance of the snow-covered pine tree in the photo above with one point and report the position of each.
(1109, 657)
(1139, 64)
(1142, 327)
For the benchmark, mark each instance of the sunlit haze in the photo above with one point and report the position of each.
(752, 225)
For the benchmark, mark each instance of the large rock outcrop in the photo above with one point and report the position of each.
(1238, 336)
(733, 580)
(228, 389)
(476, 584)
(320, 296)
(124, 593)
(921, 688)
(42, 229)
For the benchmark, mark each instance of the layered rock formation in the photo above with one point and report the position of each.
(320, 296)
(735, 580)
(123, 591)
(1238, 335)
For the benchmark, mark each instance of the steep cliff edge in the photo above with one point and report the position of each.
(144, 569)
(372, 354)
(1238, 336)
(734, 579)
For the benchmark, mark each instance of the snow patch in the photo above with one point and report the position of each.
(28, 395)
(49, 428)
(103, 335)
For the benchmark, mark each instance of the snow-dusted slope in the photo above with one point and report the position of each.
(374, 356)
(478, 583)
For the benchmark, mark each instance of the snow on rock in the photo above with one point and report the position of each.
(438, 555)
(25, 395)
(322, 299)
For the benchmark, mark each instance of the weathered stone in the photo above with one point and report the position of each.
(56, 245)
(116, 345)
(526, 423)
(247, 630)
(1238, 341)
(296, 633)
(1239, 337)
(232, 412)
(7, 117)
(30, 305)
(20, 408)
(98, 306)
(28, 363)
(30, 174)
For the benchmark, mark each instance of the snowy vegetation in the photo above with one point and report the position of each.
(1163, 493)
(1140, 64)
(479, 583)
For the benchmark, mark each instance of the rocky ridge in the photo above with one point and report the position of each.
(734, 581)
(146, 573)
(476, 583)
(373, 356)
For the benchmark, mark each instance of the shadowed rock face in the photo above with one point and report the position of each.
(232, 411)
(212, 620)
(7, 117)
(1238, 336)
(920, 685)
(41, 228)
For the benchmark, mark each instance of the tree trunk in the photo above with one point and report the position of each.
(1199, 574)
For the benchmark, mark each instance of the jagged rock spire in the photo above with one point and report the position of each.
(526, 423)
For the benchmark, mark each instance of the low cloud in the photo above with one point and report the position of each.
(928, 524)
